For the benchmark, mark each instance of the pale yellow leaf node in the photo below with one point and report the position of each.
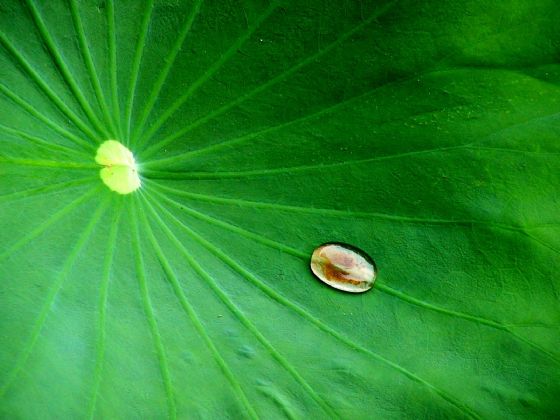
(120, 172)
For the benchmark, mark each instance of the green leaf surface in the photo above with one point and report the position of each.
(423, 132)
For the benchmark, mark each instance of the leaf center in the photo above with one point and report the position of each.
(120, 172)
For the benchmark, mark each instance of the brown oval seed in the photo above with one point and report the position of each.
(343, 267)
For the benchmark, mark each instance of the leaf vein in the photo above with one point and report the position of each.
(24, 354)
(102, 314)
(136, 66)
(327, 329)
(62, 66)
(169, 62)
(35, 113)
(193, 317)
(86, 53)
(381, 287)
(149, 313)
(207, 74)
(45, 225)
(19, 59)
(236, 311)
(280, 77)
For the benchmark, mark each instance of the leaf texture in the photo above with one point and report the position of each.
(425, 133)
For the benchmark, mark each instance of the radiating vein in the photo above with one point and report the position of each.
(63, 67)
(43, 190)
(135, 71)
(20, 59)
(154, 174)
(45, 225)
(233, 228)
(94, 77)
(290, 169)
(381, 287)
(418, 302)
(49, 145)
(169, 62)
(253, 135)
(282, 76)
(112, 40)
(534, 345)
(332, 212)
(47, 163)
(260, 133)
(462, 315)
(179, 102)
(102, 307)
(24, 354)
(543, 243)
(510, 150)
(34, 112)
(322, 326)
(325, 111)
(235, 310)
(193, 317)
(149, 312)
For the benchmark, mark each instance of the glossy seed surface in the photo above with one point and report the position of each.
(343, 267)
